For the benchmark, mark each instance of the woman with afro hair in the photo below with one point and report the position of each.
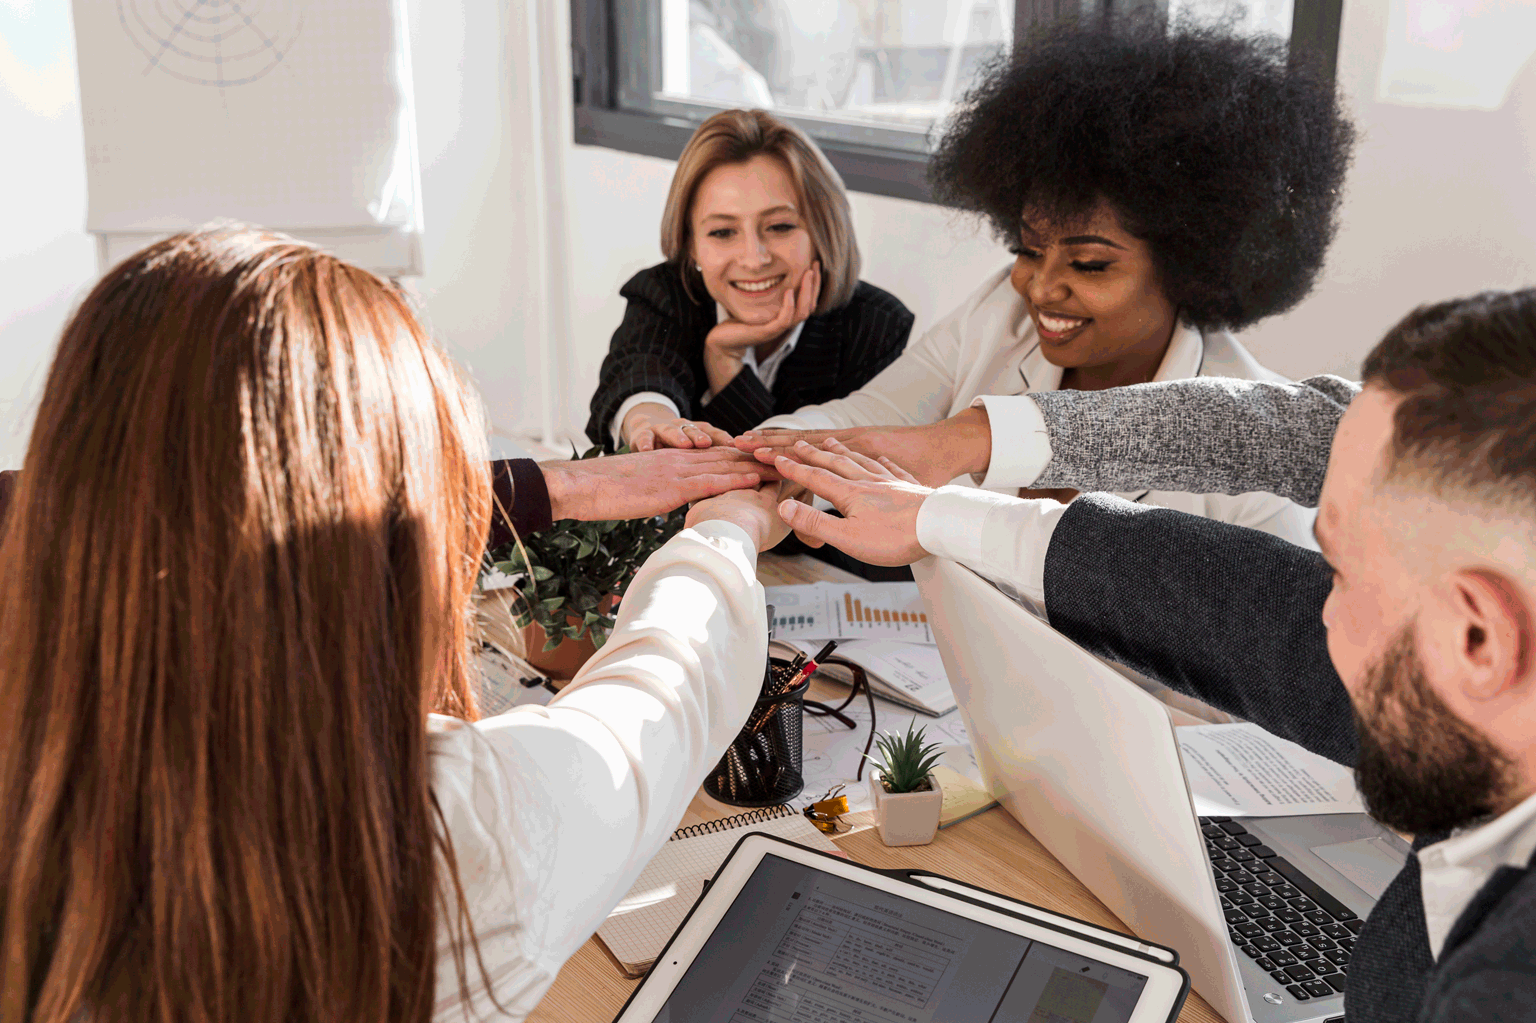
(1159, 189)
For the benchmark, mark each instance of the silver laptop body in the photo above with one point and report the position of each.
(1088, 762)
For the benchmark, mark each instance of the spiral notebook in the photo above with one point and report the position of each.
(640, 925)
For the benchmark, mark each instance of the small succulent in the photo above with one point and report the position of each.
(904, 760)
(570, 569)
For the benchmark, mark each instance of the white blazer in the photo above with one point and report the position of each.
(989, 346)
(554, 811)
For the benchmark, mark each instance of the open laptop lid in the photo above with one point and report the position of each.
(1089, 763)
(784, 931)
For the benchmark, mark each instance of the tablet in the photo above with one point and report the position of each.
(786, 933)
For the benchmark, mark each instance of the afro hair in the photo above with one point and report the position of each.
(1211, 147)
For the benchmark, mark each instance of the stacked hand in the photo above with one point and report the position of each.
(933, 454)
(754, 509)
(879, 502)
(648, 426)
(650, 483)
(728, 342)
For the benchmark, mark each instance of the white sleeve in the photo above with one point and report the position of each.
(1003, 538)
(1021, 445)
(616, 428)
(914, 390)
(573, 799)
(1268, 513)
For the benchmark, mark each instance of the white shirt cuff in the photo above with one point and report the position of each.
(1003, 538)
(1021, 445)
(616, 428)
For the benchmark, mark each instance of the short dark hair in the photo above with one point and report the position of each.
(1216, 149)
(1466, 371)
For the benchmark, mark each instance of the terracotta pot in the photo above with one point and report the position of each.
(906, 818)
(495, 613)
(563, 662)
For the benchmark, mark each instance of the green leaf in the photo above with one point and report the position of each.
(555, 639)
(540, 573)
(586, 549)
(522, 620)
(563, 541)
(552, 604)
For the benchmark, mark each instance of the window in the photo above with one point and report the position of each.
(868, 79)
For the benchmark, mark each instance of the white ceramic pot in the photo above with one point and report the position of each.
(906, 818)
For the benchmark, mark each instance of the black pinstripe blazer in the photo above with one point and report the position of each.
(660, 347)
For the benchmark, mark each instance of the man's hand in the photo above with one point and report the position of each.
(648, 426)
(727, 344)
(933, 454)
(879, 502)
(647, 483)
(753, 509)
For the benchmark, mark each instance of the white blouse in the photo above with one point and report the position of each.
(553, 811)
(989, 346)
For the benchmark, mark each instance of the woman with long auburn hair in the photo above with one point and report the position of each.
(240, 775)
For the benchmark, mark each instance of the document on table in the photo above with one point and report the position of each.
(911, 674)
(1242, 770)
(842, 611)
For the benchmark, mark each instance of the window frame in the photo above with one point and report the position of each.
(879, 170)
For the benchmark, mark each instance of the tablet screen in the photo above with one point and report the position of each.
(799, 944)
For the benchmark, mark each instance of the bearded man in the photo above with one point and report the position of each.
(1407, 649)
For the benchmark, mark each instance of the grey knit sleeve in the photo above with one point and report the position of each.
(1209, 435)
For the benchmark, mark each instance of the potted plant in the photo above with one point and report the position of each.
(906, 794)
(567, 581)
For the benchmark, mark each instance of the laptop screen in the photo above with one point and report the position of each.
(801, 944)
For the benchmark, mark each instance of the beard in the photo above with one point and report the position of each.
(1421, 768)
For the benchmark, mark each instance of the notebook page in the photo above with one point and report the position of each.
(670, 884)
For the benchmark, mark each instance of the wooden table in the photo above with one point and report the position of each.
(991, 850)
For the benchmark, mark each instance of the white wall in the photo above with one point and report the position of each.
(1439, 203)
(46, 258)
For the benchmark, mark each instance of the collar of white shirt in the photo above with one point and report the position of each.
(768, 370)
(1186, 352)
(1452, 871)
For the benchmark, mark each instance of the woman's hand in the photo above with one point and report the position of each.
(649, 426)
(935, 454)
(755, 510)
(728, 342)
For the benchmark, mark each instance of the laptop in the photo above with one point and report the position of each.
(1089, 763)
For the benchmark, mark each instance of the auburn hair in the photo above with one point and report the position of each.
(234, 582)
(736, 136)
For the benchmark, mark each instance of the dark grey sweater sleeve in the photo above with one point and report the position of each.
(1209, 435)
(1230, 615)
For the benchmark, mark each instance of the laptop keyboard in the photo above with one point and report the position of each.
(1281, 919)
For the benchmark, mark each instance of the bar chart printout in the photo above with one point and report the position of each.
(850, 611)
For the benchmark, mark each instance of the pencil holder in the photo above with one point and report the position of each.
(762, 765)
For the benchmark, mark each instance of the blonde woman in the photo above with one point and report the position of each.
(240, 772)
(758, 308)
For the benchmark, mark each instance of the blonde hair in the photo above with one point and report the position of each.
(735, 136)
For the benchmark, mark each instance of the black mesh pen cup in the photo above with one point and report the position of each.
(761, 766)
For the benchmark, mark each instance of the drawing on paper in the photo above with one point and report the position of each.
(222, 43)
